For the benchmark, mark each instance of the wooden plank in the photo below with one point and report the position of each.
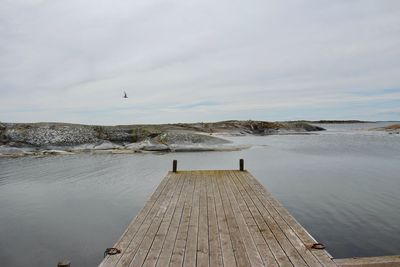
(145, 227)
(292, 253)
(321, 255)
(156, 233)
(191, 244)
(149, 210)
(262, 246)
(213, 235)
(202, 240)
(228, 257)
(169, 226)
(265, 229)
(178, 251)
(250, 247)
(239, 251)
(382, 261)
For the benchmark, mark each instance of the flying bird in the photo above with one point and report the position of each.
(125, 95)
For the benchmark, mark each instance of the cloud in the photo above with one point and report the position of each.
(196, 104)
(196, 60)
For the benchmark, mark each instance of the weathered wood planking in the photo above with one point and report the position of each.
(215, 218)
(382, 261)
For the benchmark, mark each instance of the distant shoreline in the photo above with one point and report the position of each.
(193, 123)
(337, 121)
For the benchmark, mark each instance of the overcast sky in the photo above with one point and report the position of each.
(192, 61)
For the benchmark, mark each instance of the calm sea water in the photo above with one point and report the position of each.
(342, 185)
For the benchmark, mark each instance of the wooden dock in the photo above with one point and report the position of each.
(215, 218)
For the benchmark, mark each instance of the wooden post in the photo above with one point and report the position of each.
(174, 165)
(63, 264)
(241, 165)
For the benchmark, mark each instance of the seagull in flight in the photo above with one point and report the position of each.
(125, 95)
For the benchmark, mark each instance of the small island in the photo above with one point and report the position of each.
(20, 139)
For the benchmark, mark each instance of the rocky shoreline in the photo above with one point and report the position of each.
(391, 129)
(20, 139)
